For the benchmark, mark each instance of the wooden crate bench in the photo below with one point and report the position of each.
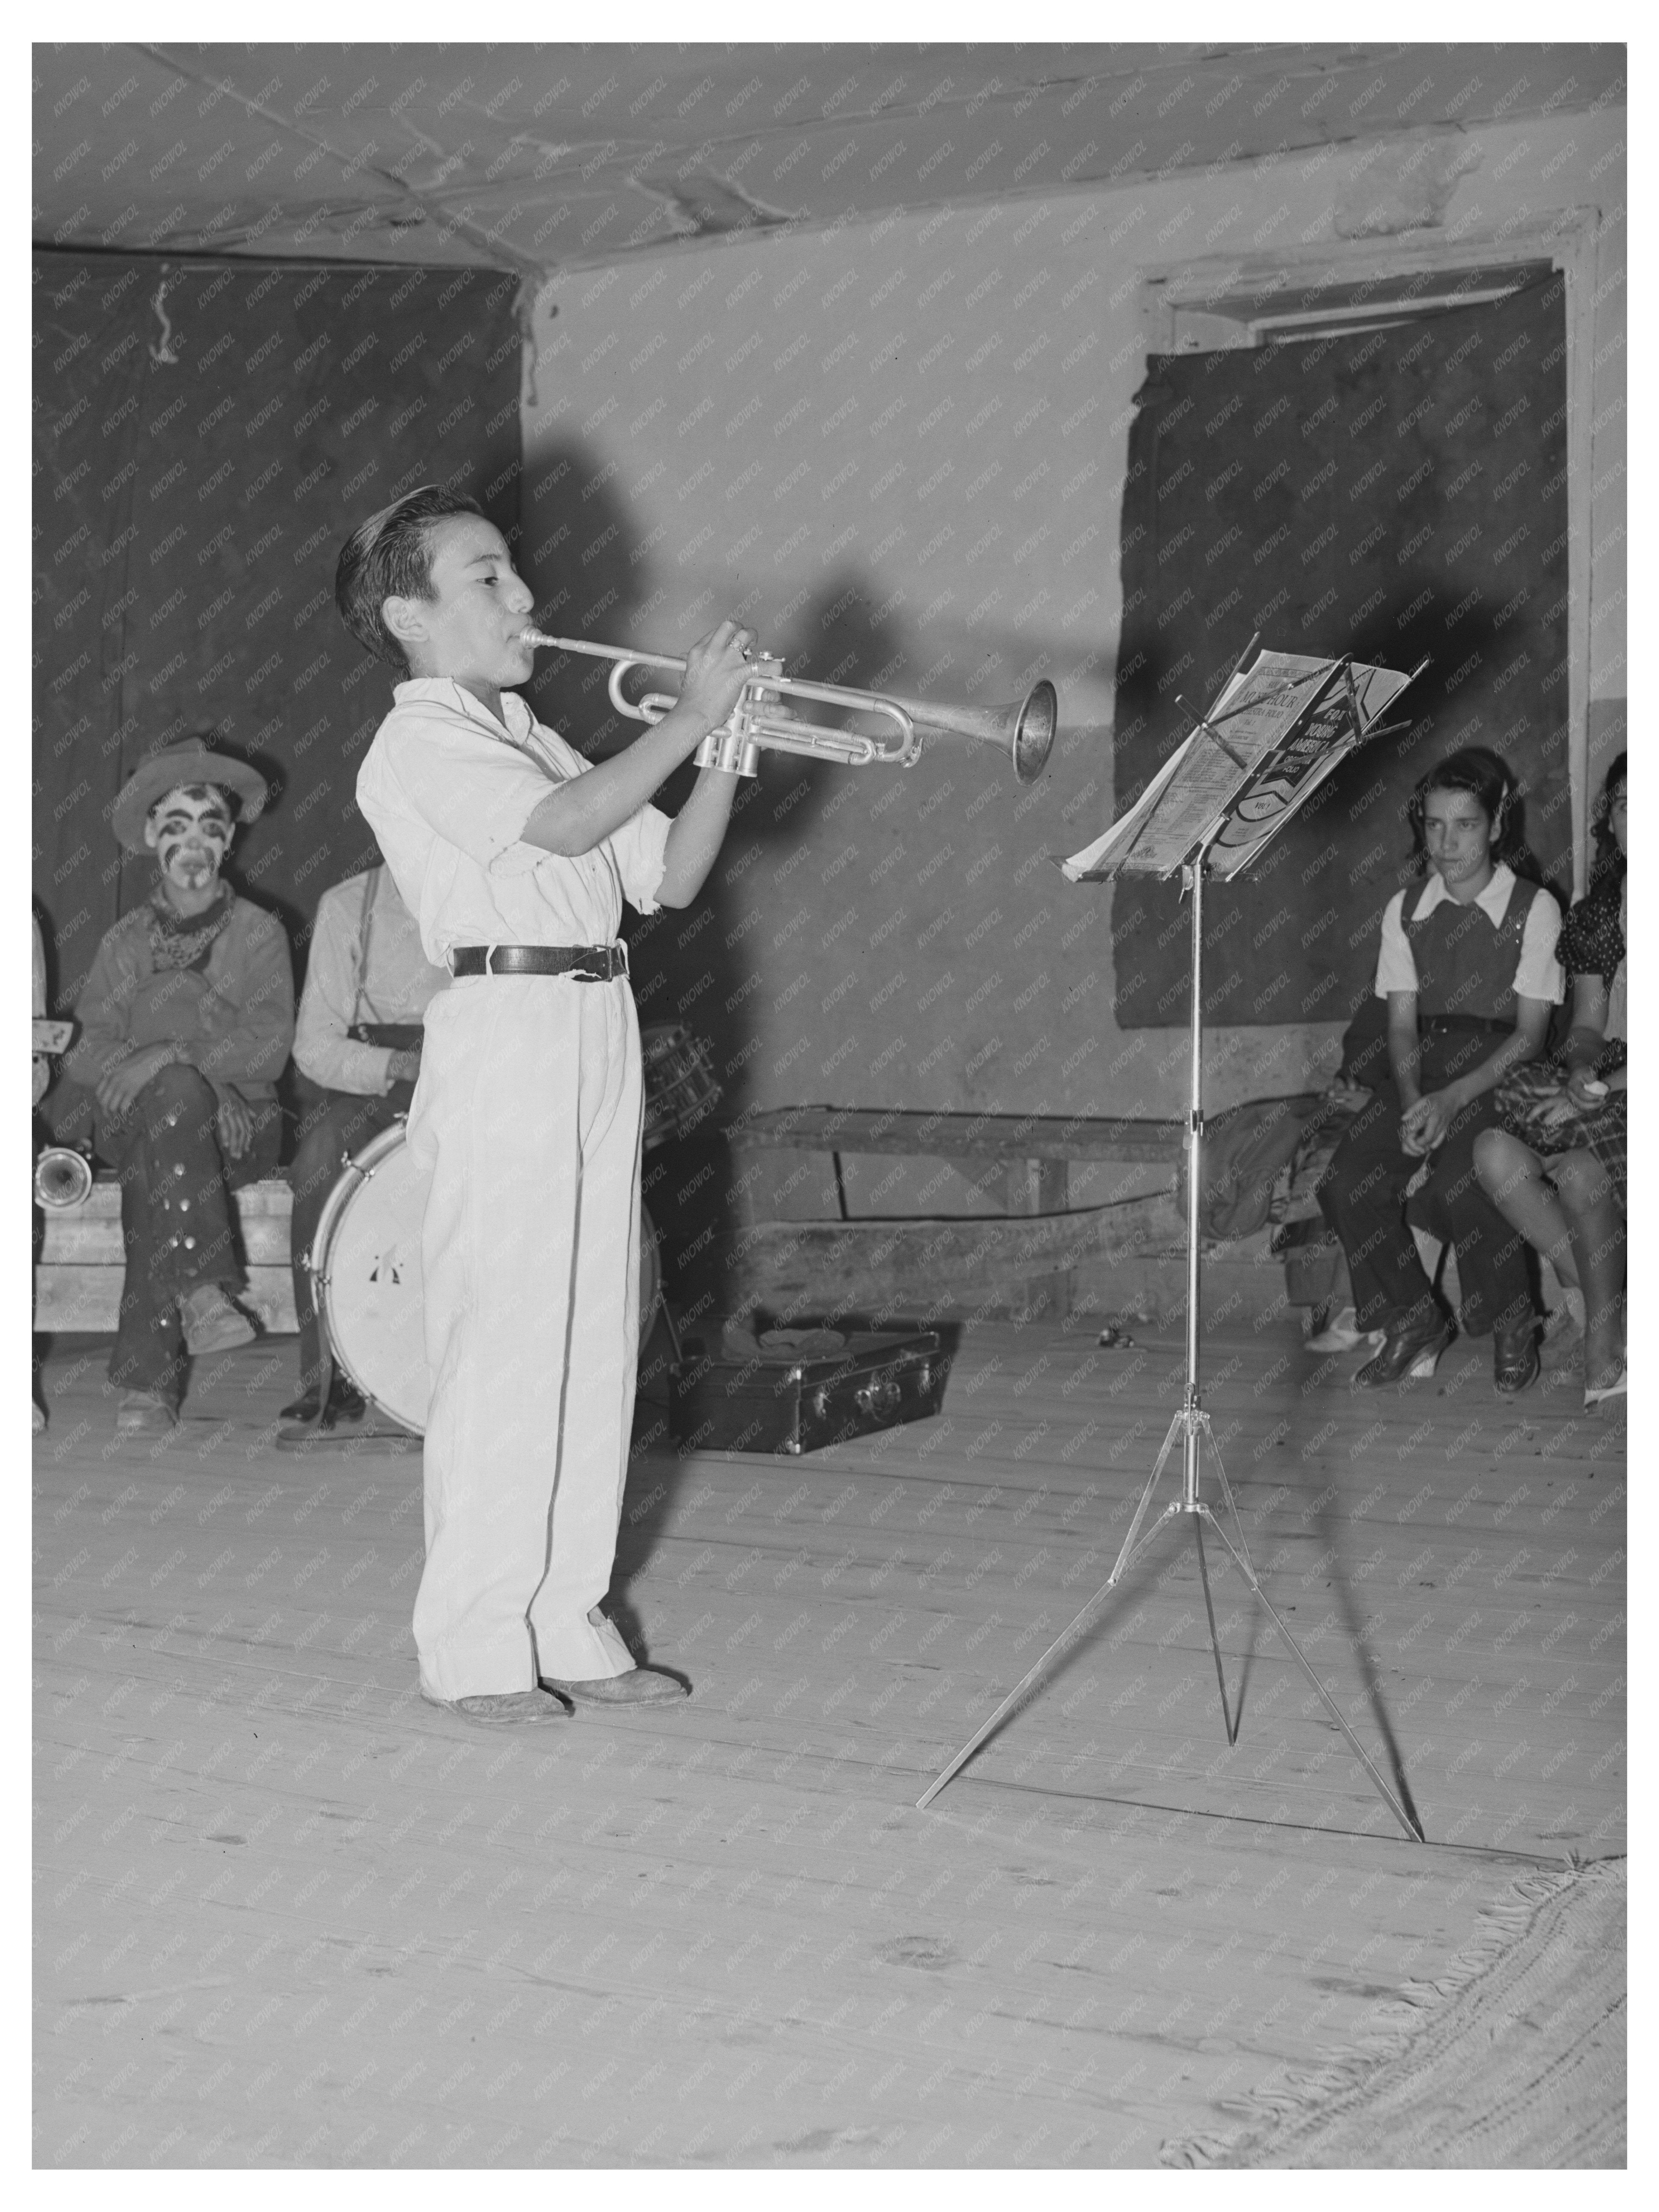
(77, 1281)
(1032, 1152)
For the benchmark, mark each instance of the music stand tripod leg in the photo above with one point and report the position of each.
(1134, 1543)
(1241, 1556)
(1068, 1636)
(1227, 1720)
(1407, 1821)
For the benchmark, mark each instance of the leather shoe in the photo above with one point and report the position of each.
(503, 1708)
(345, 1403)
(1341, 1332)
(1514, 1362)
(213, 1321)
(642, 1686)
(1412, 1346)
(144, 1413)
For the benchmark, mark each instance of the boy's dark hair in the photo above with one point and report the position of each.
(1608, 863)
(390, 557)
(1491, 783)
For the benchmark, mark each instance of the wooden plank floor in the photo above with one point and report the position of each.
(286, 1914)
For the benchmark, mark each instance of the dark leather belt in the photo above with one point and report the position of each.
(584, 963)
(1462, 1025)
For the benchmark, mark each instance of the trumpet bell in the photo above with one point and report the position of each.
(1025, 730)
(62, 1177)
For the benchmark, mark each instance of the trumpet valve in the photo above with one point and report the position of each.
(730, 748)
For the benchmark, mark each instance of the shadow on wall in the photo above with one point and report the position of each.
(708, 967)
(729, 965)
(712, 967)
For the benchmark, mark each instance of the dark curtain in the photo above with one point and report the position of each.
(1394, 494)
(205, 437)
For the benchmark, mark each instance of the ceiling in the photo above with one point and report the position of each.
(541, 157)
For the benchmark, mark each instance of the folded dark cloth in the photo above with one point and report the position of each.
(392, 1036)
(741, 1343)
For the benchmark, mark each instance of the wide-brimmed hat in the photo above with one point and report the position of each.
(192, 760)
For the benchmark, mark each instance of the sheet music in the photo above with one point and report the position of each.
(1287, 718)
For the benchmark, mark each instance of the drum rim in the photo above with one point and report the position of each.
(354, 1173)
(358, 1165)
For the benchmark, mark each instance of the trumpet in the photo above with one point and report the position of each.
(63, 1176)
(763, 719)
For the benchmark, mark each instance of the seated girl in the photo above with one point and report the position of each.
(1566, 1193)
(1468, 966)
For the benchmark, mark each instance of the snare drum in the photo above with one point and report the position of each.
(680, 1086)
(366, 1265)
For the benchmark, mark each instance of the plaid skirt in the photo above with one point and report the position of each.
(1604, 1135)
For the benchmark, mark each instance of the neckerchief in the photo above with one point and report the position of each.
(180, 941)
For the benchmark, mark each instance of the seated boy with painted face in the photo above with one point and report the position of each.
(184, 1023)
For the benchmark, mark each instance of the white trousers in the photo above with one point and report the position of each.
(527, 1116)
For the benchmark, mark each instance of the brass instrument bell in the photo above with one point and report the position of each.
(63, 1176)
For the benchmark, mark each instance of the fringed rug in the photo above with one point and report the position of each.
(1514, 2057)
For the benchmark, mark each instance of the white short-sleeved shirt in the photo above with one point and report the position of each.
(366, 965)
(1538, 972)
(448, 789)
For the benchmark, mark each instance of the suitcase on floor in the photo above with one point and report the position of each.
(778, 1398)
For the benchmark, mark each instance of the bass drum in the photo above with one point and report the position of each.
(365, 1267)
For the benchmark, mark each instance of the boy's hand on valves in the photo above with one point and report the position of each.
(716, 669)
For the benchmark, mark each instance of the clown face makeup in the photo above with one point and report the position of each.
(189, 830)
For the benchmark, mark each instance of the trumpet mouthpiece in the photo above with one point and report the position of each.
(533, 637)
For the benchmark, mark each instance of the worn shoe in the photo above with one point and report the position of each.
(504, 1707)
(1410, 1347)
(143, 1413)
(345, 1403)
(1597, 1394)
(1342, 1333)
(1514, 1362)
(643, 1686)
(213, 1321)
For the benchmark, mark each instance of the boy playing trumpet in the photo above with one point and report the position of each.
(514, 856)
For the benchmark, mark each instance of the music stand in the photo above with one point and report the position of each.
(1281, 745)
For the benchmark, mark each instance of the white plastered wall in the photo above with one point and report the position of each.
(930, 414)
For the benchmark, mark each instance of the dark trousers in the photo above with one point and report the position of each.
(1363, 1196)
(177, 1230)
(330, 1131)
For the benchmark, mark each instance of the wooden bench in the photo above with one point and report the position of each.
(1029, 1154)
(1029, 1250)
(77, 1279)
